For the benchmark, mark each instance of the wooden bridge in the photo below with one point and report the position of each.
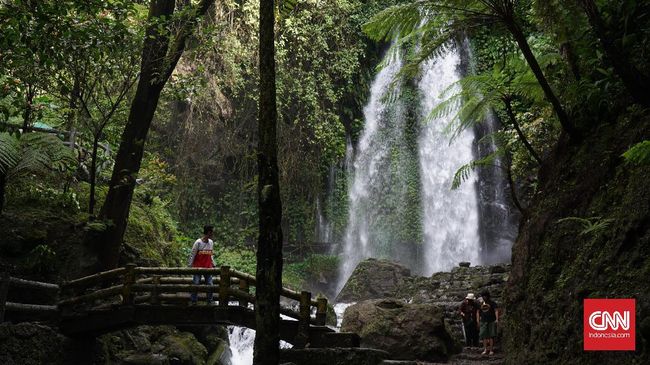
(131, 296)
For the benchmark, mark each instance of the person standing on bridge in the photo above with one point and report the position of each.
(201, 256)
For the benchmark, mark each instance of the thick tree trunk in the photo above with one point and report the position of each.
(522, 42)
(115, 211)
(269, 244)
(635, 81)
(159, 58)
(520, 133)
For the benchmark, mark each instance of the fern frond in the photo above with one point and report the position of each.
(591, 225)
(465, 171)
(396, 20)
(639, 154)
(38, 153)
(8, 152)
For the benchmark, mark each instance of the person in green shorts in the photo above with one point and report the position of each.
(488, 318)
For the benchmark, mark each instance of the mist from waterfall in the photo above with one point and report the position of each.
(450, 217)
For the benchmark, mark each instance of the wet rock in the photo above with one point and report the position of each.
(464, 264)
(406, 331)
(373, 279)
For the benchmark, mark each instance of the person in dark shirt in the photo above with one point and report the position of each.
(467, 310)
(488, 318)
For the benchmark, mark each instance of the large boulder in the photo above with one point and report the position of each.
(406, 331)
(373, 279)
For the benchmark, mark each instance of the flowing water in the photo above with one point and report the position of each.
(450, 219)
(378, 195)
(374, 180)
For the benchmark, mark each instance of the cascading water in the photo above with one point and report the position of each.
(374, 181)
(450, 217)
(378, 193)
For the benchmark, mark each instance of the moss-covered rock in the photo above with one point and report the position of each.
(151, 345)
(405, 331)
(373, 279)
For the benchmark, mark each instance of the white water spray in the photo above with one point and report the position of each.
(450, 217)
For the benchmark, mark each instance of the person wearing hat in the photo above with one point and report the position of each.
(488, 318)
(467, 310)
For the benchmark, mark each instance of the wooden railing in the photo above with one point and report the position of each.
(7, 281)
(132, 285)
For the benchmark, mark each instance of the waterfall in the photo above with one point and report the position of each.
(380, 193)
(374, 180)
(241, 341)
(450, 217)
(241, 345)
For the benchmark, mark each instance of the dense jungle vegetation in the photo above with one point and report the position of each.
(74, 80)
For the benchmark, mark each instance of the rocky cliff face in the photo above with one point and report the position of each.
(601, 251)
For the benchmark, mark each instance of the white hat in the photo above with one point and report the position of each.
(470, 296)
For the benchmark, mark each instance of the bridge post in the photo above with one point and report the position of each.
(129, 280)
(302, 337)
(4, 288)
(155, 298)
(243, 286)
(321, 311)
(224, 285)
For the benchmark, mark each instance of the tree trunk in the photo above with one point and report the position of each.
(635, 81)
(513, 191)
(520, 133)
(93, 175)
(27, 113)
(159, 58)
(522, 42)
(269, 244)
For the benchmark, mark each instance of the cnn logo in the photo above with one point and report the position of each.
(609, 324)
(602, 321)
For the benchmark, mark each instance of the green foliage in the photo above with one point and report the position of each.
(41, 260)
(590, 226)
(465, 171)
(639, 154)
(238, 258)
(33, 153)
